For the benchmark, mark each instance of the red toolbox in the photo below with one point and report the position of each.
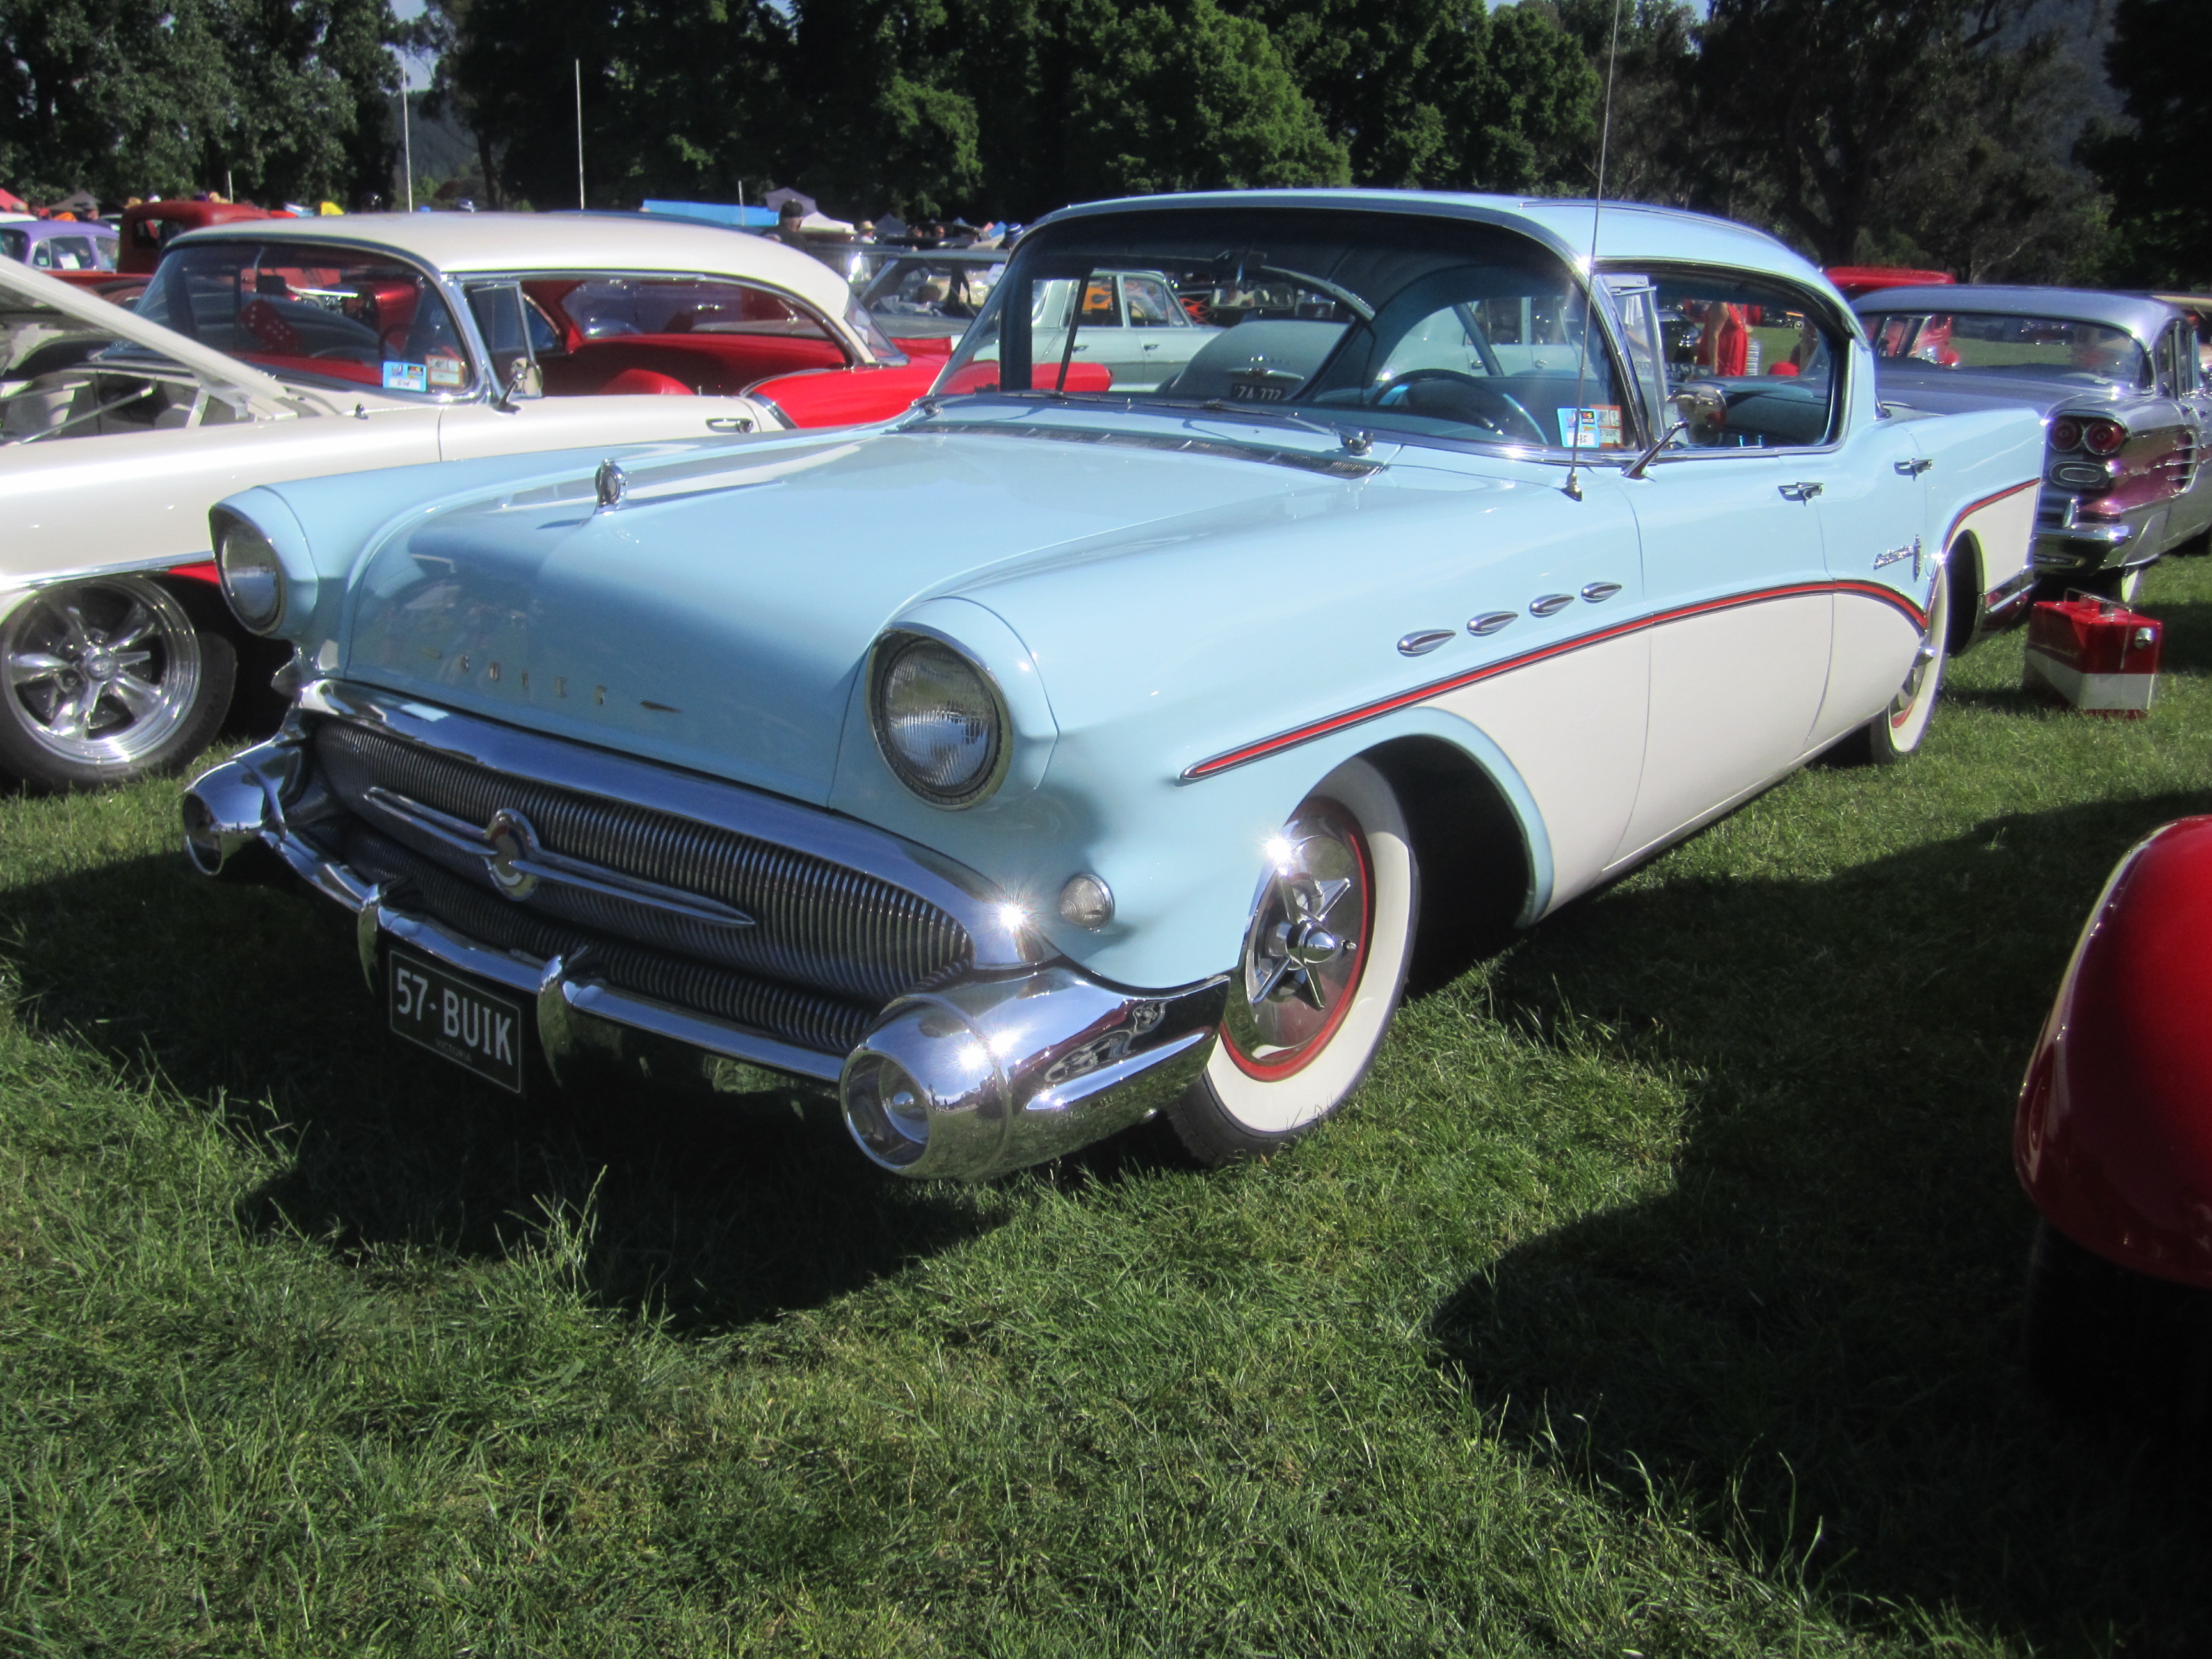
(2093, 655)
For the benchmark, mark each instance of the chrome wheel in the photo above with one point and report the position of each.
(1306, 944)
(101, 674)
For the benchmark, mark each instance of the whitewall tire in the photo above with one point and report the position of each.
(1898, 730)
(1318, 976)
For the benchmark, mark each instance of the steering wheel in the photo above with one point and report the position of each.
(1498, 411)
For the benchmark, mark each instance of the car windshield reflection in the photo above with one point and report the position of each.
(1445, 330)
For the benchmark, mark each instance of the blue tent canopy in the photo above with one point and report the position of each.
(720, 213)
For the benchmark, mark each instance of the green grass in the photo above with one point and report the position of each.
(1658, 1296)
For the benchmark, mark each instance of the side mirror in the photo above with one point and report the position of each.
(1704, 411)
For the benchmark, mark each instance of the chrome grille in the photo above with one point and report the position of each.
(819, 924)
(808, 1018)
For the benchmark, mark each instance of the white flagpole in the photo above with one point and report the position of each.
(406, 142)
(580, 133)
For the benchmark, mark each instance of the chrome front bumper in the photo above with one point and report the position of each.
(1022, 1060)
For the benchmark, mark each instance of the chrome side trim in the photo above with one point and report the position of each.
(1337, 465)
(1001, 940)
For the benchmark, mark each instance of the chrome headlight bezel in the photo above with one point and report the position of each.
(251, 576)
(889, 651)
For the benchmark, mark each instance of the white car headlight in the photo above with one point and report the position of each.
(937, 719)
(252, 576)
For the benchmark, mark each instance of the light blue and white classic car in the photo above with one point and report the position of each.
(1039, 760)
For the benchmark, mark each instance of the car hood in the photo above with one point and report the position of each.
(23, 290)
(1961, 391)
(719, 616)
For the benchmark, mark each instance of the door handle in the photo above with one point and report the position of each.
(729, 423)
(1798, 492)
(1914, 468)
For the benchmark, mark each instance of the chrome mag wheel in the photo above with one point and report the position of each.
(1318, 974)
(106, 678)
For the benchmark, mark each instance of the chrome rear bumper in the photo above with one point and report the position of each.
(1021, 1059)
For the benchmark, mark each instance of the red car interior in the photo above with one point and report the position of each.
(715, 358)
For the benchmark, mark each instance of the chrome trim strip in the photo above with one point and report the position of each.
(509, 847)
(1001, 940)
(1333, 466)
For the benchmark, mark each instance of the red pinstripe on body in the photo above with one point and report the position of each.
(1322, 728)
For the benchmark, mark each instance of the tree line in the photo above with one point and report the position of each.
(1955, 133)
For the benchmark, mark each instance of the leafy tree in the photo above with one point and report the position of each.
(287, 98)
(1184, 95)
(883, 115)
(2158, 59)
(1896, 128)
(1441, 93)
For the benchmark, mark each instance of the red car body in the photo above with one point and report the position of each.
(1855, 280)
(2114, 1135)
(853, 397)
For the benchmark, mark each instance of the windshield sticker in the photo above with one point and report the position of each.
(447, 371)
(406, 377)
(1600, 428)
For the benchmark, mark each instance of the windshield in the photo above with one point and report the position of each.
(2038, 347)
(924, 296)
(338, 313)
(1429, 328)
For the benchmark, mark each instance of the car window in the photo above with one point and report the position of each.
(42, 255)
(337, 312)
(2039, 348)
(612, 308)
(1431, 329)
(1764, 358)
(1151, 304)
(14, 243)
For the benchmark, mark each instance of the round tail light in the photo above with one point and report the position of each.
(2065, 434)
(2103, 437)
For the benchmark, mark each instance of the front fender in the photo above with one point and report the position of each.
(2112, 1138)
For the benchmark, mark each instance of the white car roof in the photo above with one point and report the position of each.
(1627, 231)
(460, 243)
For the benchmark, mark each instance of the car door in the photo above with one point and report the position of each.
(525, 419)
(1734, 568)
(1161, 336)
(1873, 516)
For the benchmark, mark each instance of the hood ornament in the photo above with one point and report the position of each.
(611, 484)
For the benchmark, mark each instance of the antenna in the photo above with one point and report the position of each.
(1573, 486)
(582, 203)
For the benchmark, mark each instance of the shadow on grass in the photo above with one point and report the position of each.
(714, 1209)
(1811, 1338)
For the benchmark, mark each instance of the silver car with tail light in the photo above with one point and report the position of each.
(2126, 406)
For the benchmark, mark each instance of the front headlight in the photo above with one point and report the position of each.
(937, 719)
(252, 577)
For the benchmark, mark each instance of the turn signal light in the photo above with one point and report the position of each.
(2103, 437)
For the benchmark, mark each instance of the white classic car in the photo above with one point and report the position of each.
(278, 348)
(1048, 757)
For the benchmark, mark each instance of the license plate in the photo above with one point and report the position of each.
(456, 1017)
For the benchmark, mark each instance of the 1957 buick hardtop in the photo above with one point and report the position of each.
(1040, 761)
